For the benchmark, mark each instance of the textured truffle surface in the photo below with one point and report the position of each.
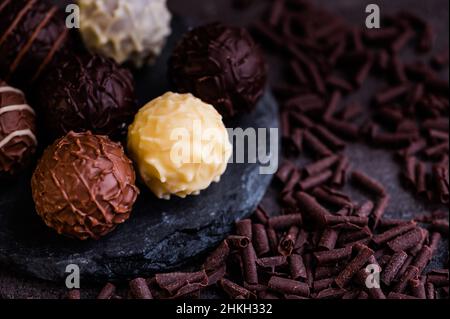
(87, 92)
(179, 144)
(220, 65)
(17, 130)
(32, 33)
(84, 186)
(127, 31)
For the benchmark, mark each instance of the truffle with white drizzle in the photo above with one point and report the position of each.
(128, 31)
(17, 130)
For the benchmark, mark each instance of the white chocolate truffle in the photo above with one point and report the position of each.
(180, 145)
(126, 30)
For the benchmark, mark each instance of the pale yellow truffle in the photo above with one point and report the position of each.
(180, 145)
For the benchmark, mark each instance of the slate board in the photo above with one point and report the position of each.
(160, 235)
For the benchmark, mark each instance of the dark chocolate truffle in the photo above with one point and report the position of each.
(32, 33)
(84, 186)
(17, 130)
(87, 93)
(220, 65)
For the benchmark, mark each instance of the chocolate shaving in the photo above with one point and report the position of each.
(73, 294)
(332, 256)
(418, 288)
(328, 239)
(392, 268)
(430, 290)
(217, 258)
(368, 183)
(343, 128)
(331, 197)
(272, 262)
(261, 215)
(273, 240)
(321, 165)
(396, 295)
(393, 232)
(422, 258)
(312, 208)
(297, 267)
(260, 239)
(319, 149)
(285, 221)
(233, 290)
(287, 243)
(238, 242)
(178, 283)
(316, 180)
(244, 228)
(288, 286)
(410, 273)
(139, 289)
(107, 292)
(406, 241)
(333, 104)
(441, 226)
(380, 207)
(354, 265)
(249, 264)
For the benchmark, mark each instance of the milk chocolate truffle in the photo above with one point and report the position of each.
(84, 186)
(32, 34)
(180, 145)
(127, 31)
(17, 130)
(87, 92)
(220, 65)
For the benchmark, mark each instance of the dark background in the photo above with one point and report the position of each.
(376, 162)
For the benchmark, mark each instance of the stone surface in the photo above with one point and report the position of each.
(159, 236)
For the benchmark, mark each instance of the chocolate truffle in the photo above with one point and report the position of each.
(84, 186)
(127, 31)
(87, 92)
(17, 130)
(32, 33)
(220, 65)
(180, 145)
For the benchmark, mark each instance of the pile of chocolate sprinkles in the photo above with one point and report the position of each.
(330, 60)
(320, 246)
(312, 252)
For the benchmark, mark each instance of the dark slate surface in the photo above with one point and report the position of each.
(160, 235)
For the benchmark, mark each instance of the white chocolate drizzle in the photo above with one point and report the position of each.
(19, 107)
(18, 133)
(5, 89)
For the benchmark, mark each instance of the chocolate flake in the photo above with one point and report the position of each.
(288, 286)
(139, 289)
(354, 265)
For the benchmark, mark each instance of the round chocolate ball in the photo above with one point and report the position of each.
(32, 34)
(87, 93)
(84, 186)
(128, 31)
(17, 131)
(170, 159)
(220, 65)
